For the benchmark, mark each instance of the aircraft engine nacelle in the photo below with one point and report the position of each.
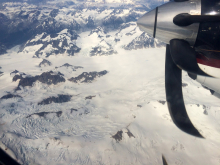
(159, 22)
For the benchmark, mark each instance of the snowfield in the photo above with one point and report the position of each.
(129, 98)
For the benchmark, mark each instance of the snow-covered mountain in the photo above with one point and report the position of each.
(81, 84)
(22, 21)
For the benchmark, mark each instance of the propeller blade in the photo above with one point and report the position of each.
(186, 19)
(185, 57)
(164, 160)
(5, 159)
(174, 96)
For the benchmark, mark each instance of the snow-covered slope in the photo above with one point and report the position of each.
(105, 117)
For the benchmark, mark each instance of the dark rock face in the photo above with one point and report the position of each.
(112, 21)
(117, 40)
(144, 41)
(43, 114)
(118, 136)
(74, 68)
(54, 13)
(9, 96)
(49, 78)
(59, 99)
(24, 25)
(205, 110)
(72, 109)
(90, 22)
(97, 30)
(89, 97)
(74, 34)
(17, 77)
(102, 51)
(57, 48)
(130, 134)
(14, 72)
(132, 17)
(17, 29)
(45, 63)
(162, 102)
(50, 26)
(46, 78)
(124, 26)
(66, 65)
(87, 77)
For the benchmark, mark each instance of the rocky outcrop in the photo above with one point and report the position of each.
(89, 97)
(24, 25)
(45, 63)
(68, 65)
(1, 73)
(73, 110)
(43, 114)
(90, 22)
(9, 96)
(54, 13)
(162, 102)
(118, 136)
(112, 22)
(130, 135)
(17, 75)
(51, 25)
(144, 41)
(17, 29)
(14, 72)
(88, 77)
(132, 16)
(58, 99)
(54, 44)
(46, 78)
(102, 51)
(99, 31)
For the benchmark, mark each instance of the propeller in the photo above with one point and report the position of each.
(164, 160)
(6, 159)
(185, 57)
(174, 95)
(186, 19)
(180, 55)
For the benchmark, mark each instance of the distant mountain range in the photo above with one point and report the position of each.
(20, 22)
